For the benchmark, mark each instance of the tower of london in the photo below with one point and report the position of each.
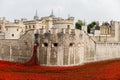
(60, 44)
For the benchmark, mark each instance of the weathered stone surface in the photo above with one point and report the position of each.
(59, 47)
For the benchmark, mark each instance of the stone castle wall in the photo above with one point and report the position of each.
(107, 50)
(89, 48)
(5, 49)
(17, 50)
(59, 47)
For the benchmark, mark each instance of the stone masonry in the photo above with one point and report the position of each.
(59, 47)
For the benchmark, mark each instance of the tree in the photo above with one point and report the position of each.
(91, 25)
(78, 24)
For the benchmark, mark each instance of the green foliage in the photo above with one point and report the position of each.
(91, 25)
(79, 24)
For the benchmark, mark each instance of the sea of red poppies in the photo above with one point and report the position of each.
(104, 70)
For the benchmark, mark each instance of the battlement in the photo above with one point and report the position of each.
(70, 20)
(59, 30)
(63, 22)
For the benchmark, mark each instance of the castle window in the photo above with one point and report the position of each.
(71, 44)
(68, 26)
(33, 26)
(29, 27)
(55, 44)
(26, 27)
(12, 35)
(49, 31)
(45, 45)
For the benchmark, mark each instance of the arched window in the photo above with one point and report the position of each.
(12, 35)
(55, 44)
(68, 26)
(71, 44)
(46, 44)
(29, 26)
(25, 27)
(33, 26)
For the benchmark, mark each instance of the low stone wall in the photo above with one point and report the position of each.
(9, 49)
(19, 50)
(98, 51)
(107, 50)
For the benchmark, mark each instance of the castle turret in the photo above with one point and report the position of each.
(52, 14)
(36, 16)
(71, 18)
